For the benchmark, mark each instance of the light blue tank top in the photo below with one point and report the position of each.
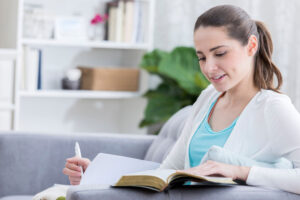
(205, 137)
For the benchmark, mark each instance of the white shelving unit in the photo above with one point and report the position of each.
(7, 89)
(5, 107)
(85, 43)
(54, 110)
(81, 94)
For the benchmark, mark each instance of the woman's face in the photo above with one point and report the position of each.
(223, 60)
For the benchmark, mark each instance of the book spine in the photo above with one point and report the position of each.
(39, 78)
(137, 21)
(120, 21)
(31, 62)
(112, 22)
(129, 21)
(106, 26)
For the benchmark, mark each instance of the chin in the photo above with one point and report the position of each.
(220, 88)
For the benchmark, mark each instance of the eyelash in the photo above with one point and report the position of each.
(218, 55)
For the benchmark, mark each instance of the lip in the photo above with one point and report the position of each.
(218, 80)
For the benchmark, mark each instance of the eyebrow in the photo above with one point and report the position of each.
(212, 49)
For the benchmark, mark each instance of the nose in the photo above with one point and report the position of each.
(209, 66)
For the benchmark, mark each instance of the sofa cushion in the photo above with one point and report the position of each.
(19, 197)
(168, 135)
(188, 193)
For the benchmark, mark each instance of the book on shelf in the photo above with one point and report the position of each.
(39, 75)
(30, 69)
(125, 21)
(112, 14)
(128, 21)
(120, 21)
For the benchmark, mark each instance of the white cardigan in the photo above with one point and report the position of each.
(267, 129)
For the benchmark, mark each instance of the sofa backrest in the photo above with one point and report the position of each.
(168, 135)
(31, 163)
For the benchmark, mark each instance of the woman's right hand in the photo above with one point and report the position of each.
(72, 169)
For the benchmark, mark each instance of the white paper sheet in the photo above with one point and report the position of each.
(108, 168)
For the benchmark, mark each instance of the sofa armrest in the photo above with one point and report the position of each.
(31, 163)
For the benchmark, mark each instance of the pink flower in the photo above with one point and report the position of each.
(99, 19)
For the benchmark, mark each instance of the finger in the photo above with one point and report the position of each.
(75, 160)
(74, 178)
(79, 161)
(74, 183)
(73, 167)
(214, 171)
(69, 172)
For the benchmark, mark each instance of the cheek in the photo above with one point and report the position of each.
(235, 64)
(202, 69)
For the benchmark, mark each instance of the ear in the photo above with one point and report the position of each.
(252, 45)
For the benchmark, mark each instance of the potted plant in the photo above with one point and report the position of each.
(97, 25)
(181, 83)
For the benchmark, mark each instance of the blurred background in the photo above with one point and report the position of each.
(85, 65)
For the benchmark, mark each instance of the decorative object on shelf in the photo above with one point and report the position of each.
(70, 27)
(37, 23)
(114, 79)
(181, 83)
(97, 27)
(72, 80)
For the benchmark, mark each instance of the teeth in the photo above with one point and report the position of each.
(217, 77)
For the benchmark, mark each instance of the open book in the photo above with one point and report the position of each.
(164, 179)
(106, 169)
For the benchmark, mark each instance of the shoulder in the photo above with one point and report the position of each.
(272, 100)
(277, 106)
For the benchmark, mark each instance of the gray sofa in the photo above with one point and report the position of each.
(30, 163)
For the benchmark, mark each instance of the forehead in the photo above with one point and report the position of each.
(209, 37)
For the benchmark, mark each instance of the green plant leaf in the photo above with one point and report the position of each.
(182, 66)
(150, 61)
(61, 198)
(181, 84)
(160, 108)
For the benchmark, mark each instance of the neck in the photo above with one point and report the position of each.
(241, 93)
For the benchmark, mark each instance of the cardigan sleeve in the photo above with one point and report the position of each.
(283, 125)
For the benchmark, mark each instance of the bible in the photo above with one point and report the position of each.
(164, 179)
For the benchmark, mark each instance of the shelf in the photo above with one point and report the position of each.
(6, 107)
(80, 94)
(84, 43)
(8, 53)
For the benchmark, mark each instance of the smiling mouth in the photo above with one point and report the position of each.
(215, 78)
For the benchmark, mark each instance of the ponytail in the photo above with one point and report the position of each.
(265, 69)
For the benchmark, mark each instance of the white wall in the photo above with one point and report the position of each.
(8, 19)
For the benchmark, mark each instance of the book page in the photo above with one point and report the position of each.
(213, 179)
(107, 169)
(161, 173)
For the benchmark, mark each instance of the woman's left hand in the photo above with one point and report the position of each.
(213, 168)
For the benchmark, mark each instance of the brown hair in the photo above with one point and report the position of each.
(240, 26)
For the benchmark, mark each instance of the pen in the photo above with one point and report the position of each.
(78, 154)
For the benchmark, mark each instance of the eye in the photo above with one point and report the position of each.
(221, 54)
(201, 59)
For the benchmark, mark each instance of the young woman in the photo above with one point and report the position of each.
(241, 111)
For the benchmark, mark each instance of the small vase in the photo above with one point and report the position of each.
(97, 32)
